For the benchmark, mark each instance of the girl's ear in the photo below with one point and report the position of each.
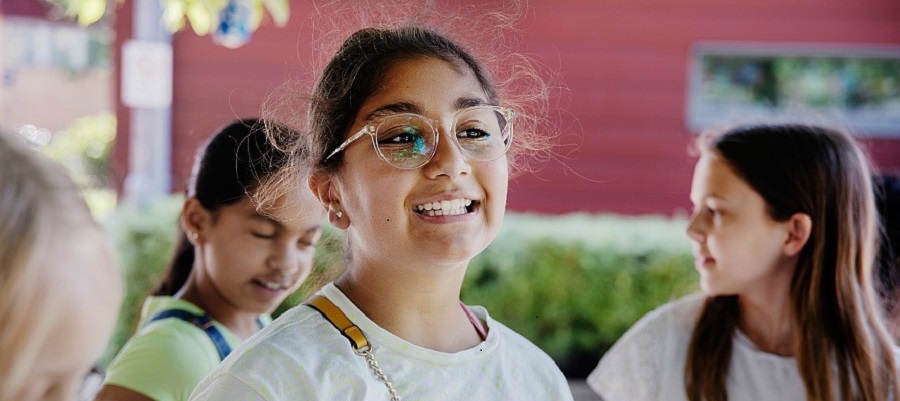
(323, 186)
(799, 229)
(195, 221)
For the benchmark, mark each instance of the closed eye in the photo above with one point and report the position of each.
(262, 235)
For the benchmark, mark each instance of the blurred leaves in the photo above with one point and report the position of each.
(145, 240)
(84, 149)
(203, 15)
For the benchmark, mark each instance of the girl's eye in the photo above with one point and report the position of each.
(402, 138)
(472, 133)
(402, 134)
(262, 235)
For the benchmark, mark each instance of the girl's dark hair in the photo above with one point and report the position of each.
(840, 341)
(887, 198)
(232, 164)
(356, 70)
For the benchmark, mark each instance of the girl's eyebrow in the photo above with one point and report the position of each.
(279, 225)
(256, 216)
(407, 107)
(393, 108)
(465, 102)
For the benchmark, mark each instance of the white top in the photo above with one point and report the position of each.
(647, 363)
(301, 356)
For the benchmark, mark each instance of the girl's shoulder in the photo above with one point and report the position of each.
(165, 358)
(677, 316)
(509, 340)
(290, 354)
(288, 339)
(153, 327)
(649, 357)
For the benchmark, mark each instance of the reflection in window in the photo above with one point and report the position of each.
(860, 89)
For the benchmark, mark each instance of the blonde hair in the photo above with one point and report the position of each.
(41, 215)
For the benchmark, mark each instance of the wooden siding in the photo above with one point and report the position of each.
(624, 64)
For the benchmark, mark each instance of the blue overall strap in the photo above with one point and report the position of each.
(203, 321)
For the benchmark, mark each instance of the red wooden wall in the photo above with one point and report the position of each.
(624, 63)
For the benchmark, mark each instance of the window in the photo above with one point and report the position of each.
(855, 86)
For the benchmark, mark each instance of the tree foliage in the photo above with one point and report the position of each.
(203, 15)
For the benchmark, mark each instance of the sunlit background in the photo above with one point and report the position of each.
(123, 92)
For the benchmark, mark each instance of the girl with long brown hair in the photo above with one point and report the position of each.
(784, 232)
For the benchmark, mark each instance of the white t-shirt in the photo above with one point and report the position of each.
(301, 356)
(647, 363)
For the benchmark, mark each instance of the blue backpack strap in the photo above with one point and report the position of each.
(204, 322)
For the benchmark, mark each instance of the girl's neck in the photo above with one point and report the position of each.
(242, 324)
(422, 308)
(767, 318)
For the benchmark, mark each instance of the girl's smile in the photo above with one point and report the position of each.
(453, 207)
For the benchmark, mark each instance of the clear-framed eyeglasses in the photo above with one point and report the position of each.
(409, 141)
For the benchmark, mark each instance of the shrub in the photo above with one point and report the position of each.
(571, 284)
(144, 240)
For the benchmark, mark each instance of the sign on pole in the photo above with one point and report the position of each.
(147, 74)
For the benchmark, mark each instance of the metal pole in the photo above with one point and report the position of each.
(149, 166)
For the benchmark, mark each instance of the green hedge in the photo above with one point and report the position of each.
(144, 240)
(571, 284)
(574, 284)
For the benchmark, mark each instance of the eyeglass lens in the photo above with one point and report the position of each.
(409, 141)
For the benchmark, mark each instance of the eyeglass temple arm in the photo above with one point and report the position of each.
(365, 130)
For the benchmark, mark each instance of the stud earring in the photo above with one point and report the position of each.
(339, 214)
(194, 236)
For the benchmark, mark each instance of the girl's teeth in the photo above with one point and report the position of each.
(271, 286)
(453, 212)
(445, 208)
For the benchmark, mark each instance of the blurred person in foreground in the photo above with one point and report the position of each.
(60, 289)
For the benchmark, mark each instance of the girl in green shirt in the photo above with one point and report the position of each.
(237, 261)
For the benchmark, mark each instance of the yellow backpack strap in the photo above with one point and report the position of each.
(340, 321)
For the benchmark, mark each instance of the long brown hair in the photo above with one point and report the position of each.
(840, 340)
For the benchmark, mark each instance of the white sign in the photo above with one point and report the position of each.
(147, 74)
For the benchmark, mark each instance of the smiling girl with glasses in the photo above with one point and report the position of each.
(421, 200)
